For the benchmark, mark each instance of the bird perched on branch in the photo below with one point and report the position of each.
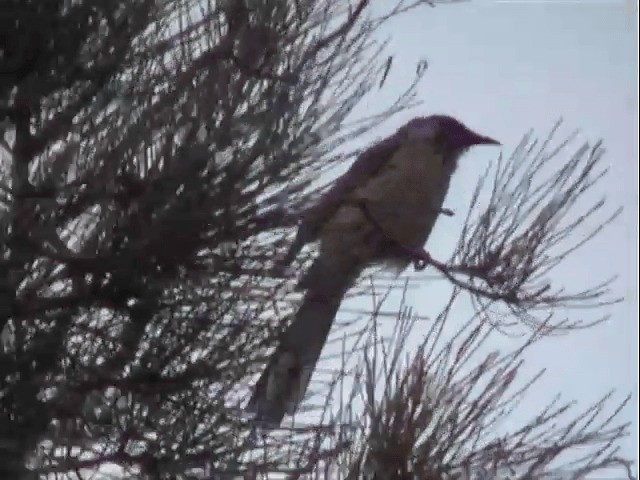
(381, 211)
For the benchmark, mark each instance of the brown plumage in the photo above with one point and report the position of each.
(380, 211)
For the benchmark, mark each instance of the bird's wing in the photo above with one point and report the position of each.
(366, 166)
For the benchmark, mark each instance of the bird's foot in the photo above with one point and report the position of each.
(420, 257)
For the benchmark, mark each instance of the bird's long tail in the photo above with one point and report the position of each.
(283, 383)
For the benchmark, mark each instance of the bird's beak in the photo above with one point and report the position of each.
(482, 140)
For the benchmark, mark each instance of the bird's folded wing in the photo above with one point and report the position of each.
(367, 165)
(314, 218)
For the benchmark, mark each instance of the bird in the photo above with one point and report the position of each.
(380, 212)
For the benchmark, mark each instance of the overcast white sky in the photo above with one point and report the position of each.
(504, 67)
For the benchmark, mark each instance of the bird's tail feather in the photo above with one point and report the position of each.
(284, 382)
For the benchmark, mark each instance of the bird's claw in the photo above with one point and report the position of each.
(419, 265)
(421, 258)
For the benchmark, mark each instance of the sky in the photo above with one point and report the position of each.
(504, 67)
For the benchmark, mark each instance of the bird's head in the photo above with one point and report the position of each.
(449, 136)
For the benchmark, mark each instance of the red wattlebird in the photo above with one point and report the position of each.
(381, 211)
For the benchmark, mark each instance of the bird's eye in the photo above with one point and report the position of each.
(440, 140)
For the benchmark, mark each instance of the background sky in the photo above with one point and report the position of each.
(504, 67)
